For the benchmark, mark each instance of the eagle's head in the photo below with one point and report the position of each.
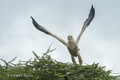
(70, 37)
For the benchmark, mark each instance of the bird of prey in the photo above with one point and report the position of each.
(72, 45)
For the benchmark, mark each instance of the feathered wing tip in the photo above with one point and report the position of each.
(91, 16)
(39, 27)
(92, 12)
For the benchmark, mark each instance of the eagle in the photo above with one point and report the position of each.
(72, 45)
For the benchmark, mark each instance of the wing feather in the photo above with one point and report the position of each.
(86, 23)
(39, 27)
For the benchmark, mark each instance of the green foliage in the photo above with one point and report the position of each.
(46, 68)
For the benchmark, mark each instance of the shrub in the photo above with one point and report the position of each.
(46, 68)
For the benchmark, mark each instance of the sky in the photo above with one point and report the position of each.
(100, 43)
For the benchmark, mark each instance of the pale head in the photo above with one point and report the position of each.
(70, 37)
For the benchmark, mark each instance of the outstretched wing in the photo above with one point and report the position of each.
(39, 27)
(86, 23)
